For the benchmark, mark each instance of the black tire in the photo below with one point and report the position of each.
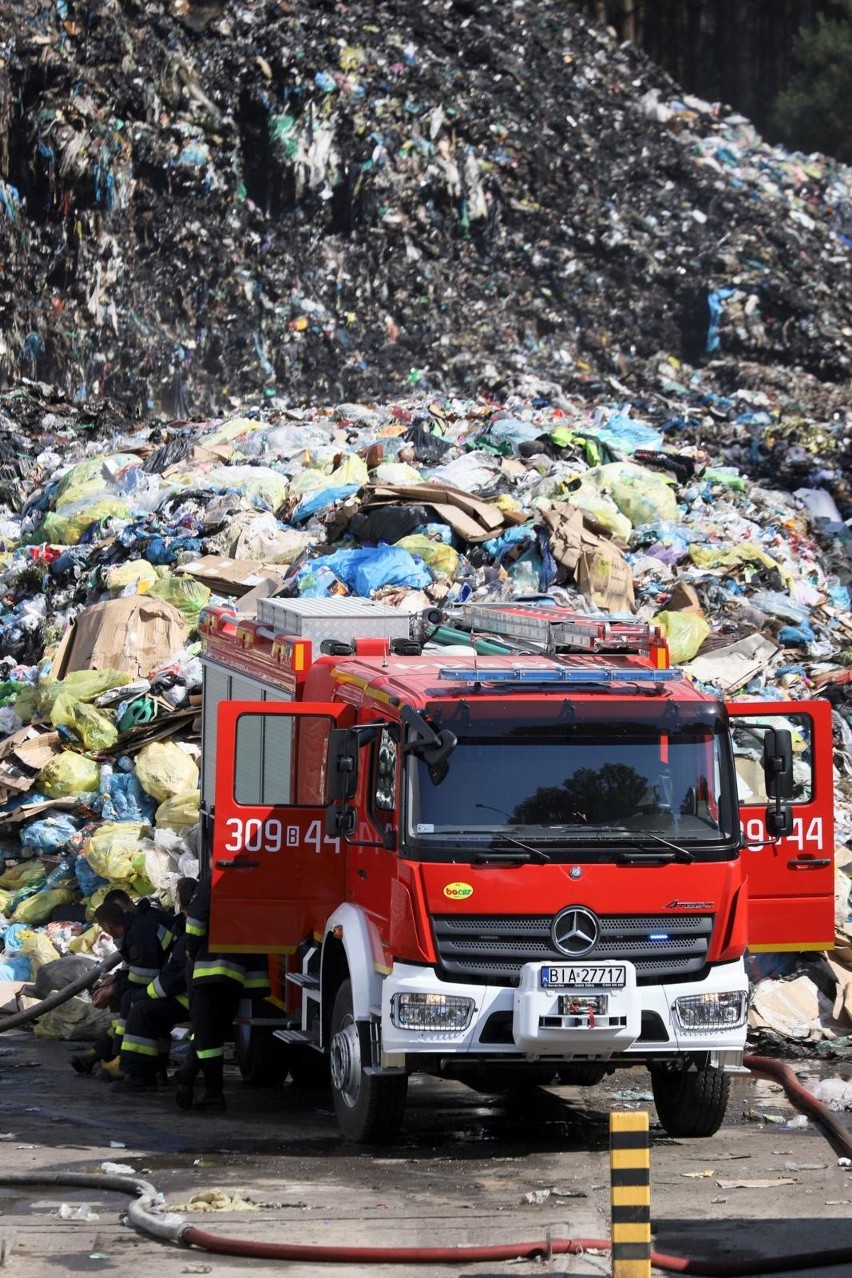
(691, 1102)
(309, 1069)
(369, 1107)
(263, 1061)
(581, 1074)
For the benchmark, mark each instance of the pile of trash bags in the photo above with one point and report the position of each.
(205, 201)
(116, 541)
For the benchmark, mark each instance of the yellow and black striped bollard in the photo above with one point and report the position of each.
(630, 1195)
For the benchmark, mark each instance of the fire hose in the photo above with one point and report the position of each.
(60, 996)
(146, 1213)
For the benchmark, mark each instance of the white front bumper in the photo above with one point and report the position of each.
(539, 1029)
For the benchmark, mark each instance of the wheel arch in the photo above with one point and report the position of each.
(348, 948)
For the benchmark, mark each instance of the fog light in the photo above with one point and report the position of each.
(449, 1012)
(711, 1011)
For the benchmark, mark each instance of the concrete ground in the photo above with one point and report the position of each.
(469, 1169)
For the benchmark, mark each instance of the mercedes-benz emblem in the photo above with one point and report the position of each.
(575, 931)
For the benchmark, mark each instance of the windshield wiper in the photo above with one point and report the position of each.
(674, 851)
(526, 852)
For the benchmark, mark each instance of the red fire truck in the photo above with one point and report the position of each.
(516, 847)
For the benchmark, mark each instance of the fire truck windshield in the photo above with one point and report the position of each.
(583, 776)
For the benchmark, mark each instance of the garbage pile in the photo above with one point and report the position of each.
(114, 542)
(201, 202)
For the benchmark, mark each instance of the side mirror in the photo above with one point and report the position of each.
(340, 821)
(342, 765)
(779, 822)
(778, 763)
(778, 774)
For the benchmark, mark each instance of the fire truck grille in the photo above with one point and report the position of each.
(492, 948)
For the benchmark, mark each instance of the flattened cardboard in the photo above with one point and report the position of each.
(473, 519)
(235, 577)
(135, 634)
(600, 569)
(732, 667)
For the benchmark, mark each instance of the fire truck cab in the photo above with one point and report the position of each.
(518, 846)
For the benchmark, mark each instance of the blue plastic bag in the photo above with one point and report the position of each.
(16, 968)
(370, 568)
(127, 801)
(13, 940)
(88, 881)
(50, 834)
(321, 500)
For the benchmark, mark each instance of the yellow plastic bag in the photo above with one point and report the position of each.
(39, 945)
(437, 555)
(90, 476)
(94, 728)
(38, 909)
(75, 1020)
(82, 685)
(136, 572)
(180, 811)
(67, 774)
(602, 509)
(18, 876)
(67, 529)
(643, 496)
(114, 853)
(188, 596)
(5, 898)
(163, 770)
(352, 470)
(685, 632)
(85, 942)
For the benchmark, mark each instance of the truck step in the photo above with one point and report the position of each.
(297, 1038)
(268, 1022)
(304, 980)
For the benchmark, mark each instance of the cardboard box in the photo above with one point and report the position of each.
(135, 634)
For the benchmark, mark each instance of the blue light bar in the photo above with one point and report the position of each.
(602, 674)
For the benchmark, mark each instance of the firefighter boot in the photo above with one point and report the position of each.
(185, 1078)
(84, 1062)
(111, 1070)
(213, 1100)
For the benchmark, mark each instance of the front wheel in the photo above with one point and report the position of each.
(369, 1107)
(691, 1102)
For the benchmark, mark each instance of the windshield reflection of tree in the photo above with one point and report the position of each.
(594, 796)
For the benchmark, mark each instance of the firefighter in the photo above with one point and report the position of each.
(103, 995)
(143, 936)
(218, 982)
(147, 1037)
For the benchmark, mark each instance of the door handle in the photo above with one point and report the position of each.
(237, 865)
(809, 863)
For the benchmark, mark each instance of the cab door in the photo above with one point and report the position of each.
(276, 874)
(790, 882)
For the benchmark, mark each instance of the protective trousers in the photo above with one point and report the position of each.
(147, 1037)
(213, 1006)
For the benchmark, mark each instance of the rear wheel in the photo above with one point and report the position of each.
(691, 1102)
(369, 1107)
(262, 1060)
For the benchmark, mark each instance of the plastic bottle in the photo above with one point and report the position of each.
(105, 782)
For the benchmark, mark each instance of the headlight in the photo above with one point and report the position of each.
(711, 1011)
(449, 1012)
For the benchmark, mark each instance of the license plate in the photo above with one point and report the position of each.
(579, 977)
